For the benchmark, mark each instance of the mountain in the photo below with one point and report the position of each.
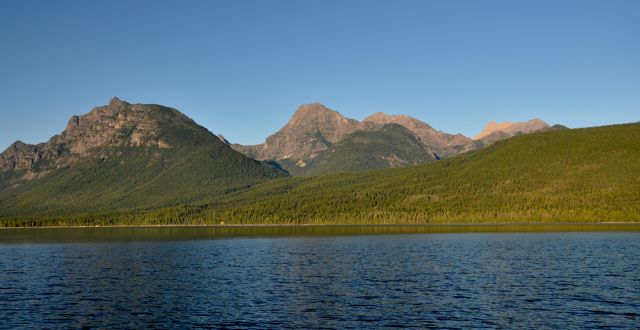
(589, 174)
(313, 129)
(124, 156)
(388, 146)
(556, 127)
(307, 143)
(577, 175)
(495, 131)
(441, 143)
(99, 134)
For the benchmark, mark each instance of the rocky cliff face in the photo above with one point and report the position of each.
(124, 156)
(389, 146)
(101, 133)
(315, 130)
(312, 130)
(496, 131)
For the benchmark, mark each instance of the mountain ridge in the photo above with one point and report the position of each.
(97, 133)
(577, 175)
(512, 128)
(133, 155)
(314, 130)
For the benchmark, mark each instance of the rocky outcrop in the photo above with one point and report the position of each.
(312, 130)
(315, 130)
(495, 131)
(102, 132)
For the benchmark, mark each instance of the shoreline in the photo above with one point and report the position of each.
(373, 225)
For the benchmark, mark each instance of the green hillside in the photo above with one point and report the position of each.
(588, 174)
(196, 167)
(137, 180)
(389, 146)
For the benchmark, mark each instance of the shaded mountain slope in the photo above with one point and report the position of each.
(305, 143)
(567, 175)
(313, 128)
(123, 156)
(439, 142)
(558, 176)
(388, 146)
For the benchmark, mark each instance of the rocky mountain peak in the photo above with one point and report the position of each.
(536, 121)
(491, 127)
(494, 129)
(115, 102)
(99, 134)
(17, 145)
(440, 142)
(382, 118)
(409, 122)
(317, 114)
(313, 128)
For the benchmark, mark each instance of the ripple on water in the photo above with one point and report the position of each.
(557, 280)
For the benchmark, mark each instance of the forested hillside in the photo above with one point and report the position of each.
(590, 174)
(123, 157)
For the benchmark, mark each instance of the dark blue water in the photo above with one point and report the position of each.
(506, 280)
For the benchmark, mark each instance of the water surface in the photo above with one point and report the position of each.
(70, 278)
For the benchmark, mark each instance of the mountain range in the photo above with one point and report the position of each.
(316, 140)
(128, 163)
(320, 140)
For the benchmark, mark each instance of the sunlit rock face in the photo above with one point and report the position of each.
(495, 131)
(315, 129)
(312, 130)
(101, 133)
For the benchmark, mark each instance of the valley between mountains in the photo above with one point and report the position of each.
(142, 164)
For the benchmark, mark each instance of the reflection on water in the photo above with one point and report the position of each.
(162, 233)
(513, 280)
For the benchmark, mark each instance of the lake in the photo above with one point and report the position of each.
(318, 277)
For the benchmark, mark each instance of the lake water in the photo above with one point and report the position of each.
(201, 277)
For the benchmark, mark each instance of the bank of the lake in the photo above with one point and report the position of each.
(177, 232)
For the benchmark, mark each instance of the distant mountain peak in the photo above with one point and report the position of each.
(315, 112)
(443, 143)
(491, 127)
(18, 144)
(507, 128)
(115, 101)
(101, 132)
(537, 121)
(383, 117)
(313, 128)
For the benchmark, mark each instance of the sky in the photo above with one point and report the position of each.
(241, 68)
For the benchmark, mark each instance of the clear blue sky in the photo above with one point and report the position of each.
(241, 68)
